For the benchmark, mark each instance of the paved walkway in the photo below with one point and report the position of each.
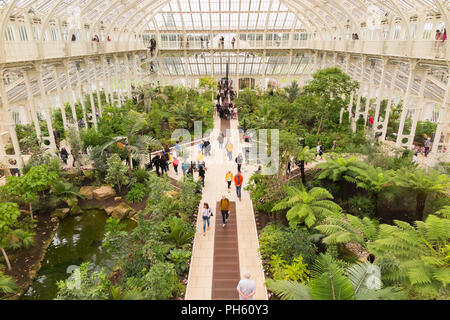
(200, 282)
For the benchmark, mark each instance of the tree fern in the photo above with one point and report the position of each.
(417, 256)
(307, 206)
(328, 281)
(289, 290)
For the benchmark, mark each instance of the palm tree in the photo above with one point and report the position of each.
(307, 206)
(422, 184)
(351, 232)
(373, 180)
(293, 91)
(7, 284)
(304, 155)
(417, 256)
(134, 143)
(336, 169)
(330, 282)
(349, 229)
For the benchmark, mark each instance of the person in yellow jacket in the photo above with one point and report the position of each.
(229, 179)
(224, 208)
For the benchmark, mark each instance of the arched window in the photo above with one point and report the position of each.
(36, 32)
(427, 30)
(53, 34)
(23, 32)
(9, 34)
(397, 31)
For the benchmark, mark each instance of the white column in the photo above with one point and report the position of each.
(97, 89)
(381, 92)
(46, 109)
(118, 80)
(30, 102)
(61, 98)
(412, 68)
(389, 103)
(91, 96)
(71, 99)
(358, 97)
(443, 124)
(81, 95)
(8, 121)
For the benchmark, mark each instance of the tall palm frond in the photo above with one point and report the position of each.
(289, 290)
(328, 281)
(307, 206)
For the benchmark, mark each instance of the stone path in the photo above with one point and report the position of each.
(200, 281)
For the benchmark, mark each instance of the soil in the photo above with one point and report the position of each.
(27, 262)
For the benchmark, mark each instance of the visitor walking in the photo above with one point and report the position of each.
(233, 41)
(370, 122)
(319, 150)
(239, 160)
(229, 148)
(224, 208)
(220, 138)
(64, 155)
(207, 148)
(427, 146)
(184, 167)
(175, 165)
(229, 179)
(238, 180)
(206, 214)
(163, 163)
(246, 288)
(334, 147)
(201, 173)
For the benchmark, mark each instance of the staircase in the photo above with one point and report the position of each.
(226, 273)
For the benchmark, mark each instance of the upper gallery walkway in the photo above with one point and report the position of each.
(22, 51)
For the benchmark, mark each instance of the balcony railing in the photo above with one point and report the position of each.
(17, 51)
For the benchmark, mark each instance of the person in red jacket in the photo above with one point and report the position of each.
(238, 180)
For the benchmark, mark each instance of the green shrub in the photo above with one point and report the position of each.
(137, 193)
(161, 282)
(296, 271)
(180, 258)
(288, 243)
(361, 206)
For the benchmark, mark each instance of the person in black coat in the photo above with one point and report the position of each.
(156, 162)
(163, 163)
(64, 155)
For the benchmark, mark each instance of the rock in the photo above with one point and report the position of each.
(109, 210)
(104, 192)
(117, 198)
(121, 211)
(91, 205)
(87, 192)
(60, 213)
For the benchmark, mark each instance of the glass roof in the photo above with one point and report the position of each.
(223, 14)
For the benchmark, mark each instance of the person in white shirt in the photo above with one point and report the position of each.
(246, 288)
(206, 213)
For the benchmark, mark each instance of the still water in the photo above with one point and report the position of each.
(77, 240)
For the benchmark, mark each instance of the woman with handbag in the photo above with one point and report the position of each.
(207, 214)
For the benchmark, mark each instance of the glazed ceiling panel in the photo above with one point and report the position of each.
(222, 14)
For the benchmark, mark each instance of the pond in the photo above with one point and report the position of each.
(77, 240)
